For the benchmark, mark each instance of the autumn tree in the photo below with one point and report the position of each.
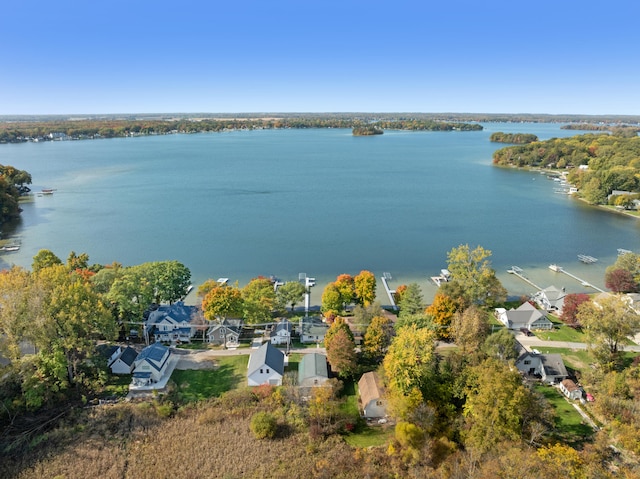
(442, 311)
(347, 288)
(469, 329)
(629, 262)
(331, 300)
(340, 347)
(43, 259)
(570, 307)
(608, 323)
(399, 293)
(365, 287)
(362, 315)
(620, 281)
(408, 364)
(290, 294)
(378, 337)
(221, 302)
(473, 280)
(15, 316)
(495, 414)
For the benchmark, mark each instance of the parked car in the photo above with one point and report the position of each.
(526, 332)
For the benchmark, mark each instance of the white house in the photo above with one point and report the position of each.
(372, 398)
(571, 389)
(550, 299)
(281, 333)
(266, 366)
(312, 331)
(550, 367)
(172, 323)
(121, 360)
(151, 364)
(525, 316)
(313, 370)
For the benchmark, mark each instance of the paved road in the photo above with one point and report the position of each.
(532, 341)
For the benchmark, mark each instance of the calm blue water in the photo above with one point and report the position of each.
(242, 204)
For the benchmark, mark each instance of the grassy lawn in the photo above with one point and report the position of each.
(367, 436)
(576, 359)
(561, 332)
(117, 385)
(570, 426)
(198, 384)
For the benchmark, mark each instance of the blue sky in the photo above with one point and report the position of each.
(72, 57)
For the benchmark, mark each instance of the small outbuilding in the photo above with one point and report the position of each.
(122, 359)
(372, 400)
(313, 370)
(571, 389)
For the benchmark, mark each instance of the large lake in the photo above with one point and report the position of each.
(280, 202)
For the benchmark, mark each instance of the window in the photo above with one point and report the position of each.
(527, 362)
(378, 403)
(268, 371)
(261, 371)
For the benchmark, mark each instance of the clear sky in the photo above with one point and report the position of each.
(138, 56)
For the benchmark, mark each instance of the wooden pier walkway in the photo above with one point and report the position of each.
(586, 284)
(515, 270)
(390, 292)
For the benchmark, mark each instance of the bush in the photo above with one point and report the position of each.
(263, 425)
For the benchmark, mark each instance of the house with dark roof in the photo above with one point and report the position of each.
(172, 323)
(372, 400)
(121, 360)
(550, 299)
(225, 332)
(313, 370)
(549, 367)
(281, 333)
(525, 316)
(266, 366)
(151, 364)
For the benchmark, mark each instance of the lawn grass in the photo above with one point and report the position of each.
(576, 359)
(561, 332)
(369, 436)
(199, 384)
(569, 425)
(117, 385)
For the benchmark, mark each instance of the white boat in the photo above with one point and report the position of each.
(13, 247)
(622, 251)
(555, 267)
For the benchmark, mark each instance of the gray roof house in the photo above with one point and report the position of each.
(172, 323)
(525, 316)
(372, 399)
(312, 331)
(550, 367)
(227, 331)
(266, 366)
(151, 364)
(313, 370)
(550, 299)
(281, 333)
(121, 360)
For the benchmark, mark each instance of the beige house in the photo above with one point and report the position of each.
(372, 400)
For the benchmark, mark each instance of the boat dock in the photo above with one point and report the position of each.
(444, 277)
(586, 259)
(586, 284)
(515, 270)
(386, 277)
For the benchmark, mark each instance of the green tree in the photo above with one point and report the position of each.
(412, 301)
(15, 317)
(291, 293)
(43, 259)
(259, 300)
(378, 337)
(473, 278)
(501, 345)
(608, 323)
(75, 261)
(263, 425)
(365, 287)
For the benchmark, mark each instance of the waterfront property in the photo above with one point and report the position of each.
(225, 332)
(281, 333)
(526, 316)
(312, 330)
(172, 323)
(266, 366)
(550, 299)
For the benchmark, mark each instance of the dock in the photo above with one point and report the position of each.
(386, 277)
(519, 272)
(586, 259)
(586, 284)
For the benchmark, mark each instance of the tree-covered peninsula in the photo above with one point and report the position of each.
(514, 138)
(598, 165)
(366, 130)
(13, 184)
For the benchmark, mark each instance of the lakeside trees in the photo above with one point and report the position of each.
(13, 183)
(515, 138)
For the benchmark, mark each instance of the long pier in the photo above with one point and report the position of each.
(515, 270)
(586, 284)
(385, 278)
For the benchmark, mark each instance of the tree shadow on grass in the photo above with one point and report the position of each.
(200, 384)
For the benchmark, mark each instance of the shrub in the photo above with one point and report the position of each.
(263, 425)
